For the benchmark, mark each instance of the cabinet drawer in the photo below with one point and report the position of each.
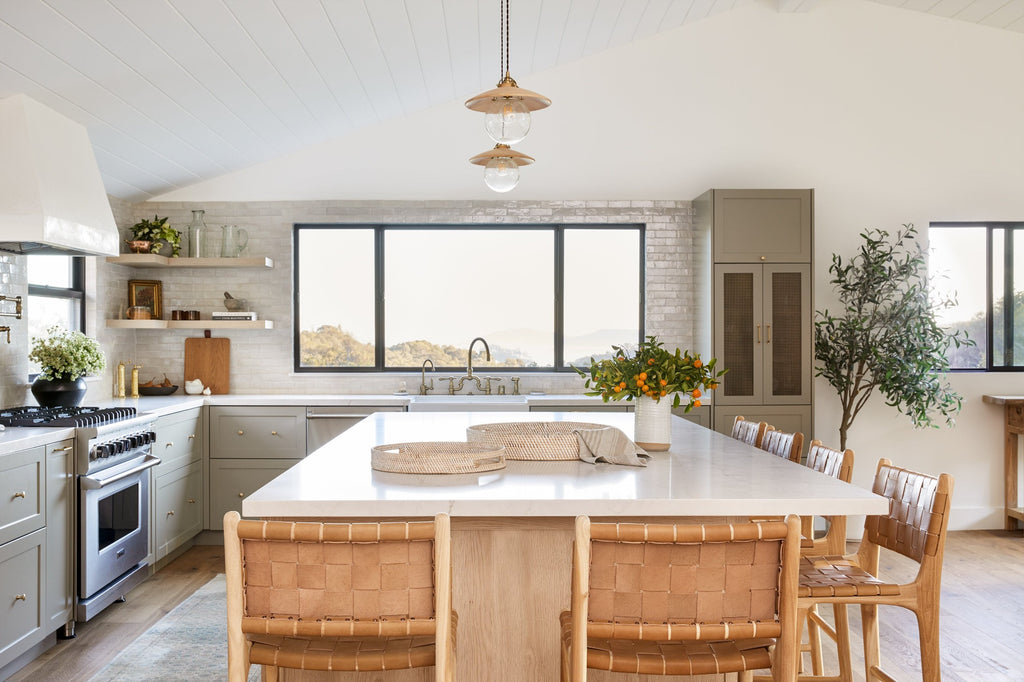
(178, 440)
(232, 480)
(257, 432)
(179, 508)
(22, 493)
(21, 610)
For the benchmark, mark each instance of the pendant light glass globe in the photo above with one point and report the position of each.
(501, 174)
(508, 121)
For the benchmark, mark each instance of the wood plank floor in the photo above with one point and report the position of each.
(982, 614)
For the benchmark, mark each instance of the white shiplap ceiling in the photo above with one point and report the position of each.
(178, 91)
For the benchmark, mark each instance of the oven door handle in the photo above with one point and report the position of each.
(93, 483)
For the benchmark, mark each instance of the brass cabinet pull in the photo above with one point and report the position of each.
(170, 513)
(273, 433)
(759, 333)
(21, 597)
(191, 501)
(169, 444)
(64, 449)
(768, 328)
(192, 436)
(241, 432)
(20, 493)
(241, 494)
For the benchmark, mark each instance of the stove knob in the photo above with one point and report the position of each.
(120, 446)
(135, 441)
(151, 436)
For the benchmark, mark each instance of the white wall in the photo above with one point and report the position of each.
(892, 116)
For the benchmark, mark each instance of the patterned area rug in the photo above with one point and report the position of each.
(189, 643)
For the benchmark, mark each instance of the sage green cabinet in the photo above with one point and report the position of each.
(22, 570)
(762, 333)
(177, 499)
(790, 418)
(622, 406)
(761, 225)
(232, 480)
(60, 534)
(178, 505)
(257, 432)
(22, 493)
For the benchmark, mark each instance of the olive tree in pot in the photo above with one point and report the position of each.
(886, 336)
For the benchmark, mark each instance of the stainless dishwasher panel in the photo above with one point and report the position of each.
(323, 423)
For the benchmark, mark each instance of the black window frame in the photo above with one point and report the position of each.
(1007, 285)
(558, 230)
(75, 292)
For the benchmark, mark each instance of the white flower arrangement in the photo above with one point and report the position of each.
(65, 355)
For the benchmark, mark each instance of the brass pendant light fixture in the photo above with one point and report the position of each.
(506, 110)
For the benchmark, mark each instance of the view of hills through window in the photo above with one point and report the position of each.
(425, 293)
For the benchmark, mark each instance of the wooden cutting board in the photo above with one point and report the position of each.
(208, 360)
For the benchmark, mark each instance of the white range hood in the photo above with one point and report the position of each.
(52, 200)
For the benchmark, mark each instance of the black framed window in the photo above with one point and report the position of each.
(389, 297)
(983, 264)
(56, 295)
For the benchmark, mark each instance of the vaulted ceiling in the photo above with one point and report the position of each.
(174, 92)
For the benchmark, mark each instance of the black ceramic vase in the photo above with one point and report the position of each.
(59, 393)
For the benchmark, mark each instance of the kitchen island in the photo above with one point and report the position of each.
(512, 528)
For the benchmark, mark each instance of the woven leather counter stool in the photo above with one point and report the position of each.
(914, 527)
(749, 432)
(339, 596)
(837, 465)
(788, 445)
(683, 599)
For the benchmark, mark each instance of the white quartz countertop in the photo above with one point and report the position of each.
(704, 474)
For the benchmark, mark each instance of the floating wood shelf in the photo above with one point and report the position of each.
(190, 324)
(152, 260)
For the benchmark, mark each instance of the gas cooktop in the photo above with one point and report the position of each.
(32, 415)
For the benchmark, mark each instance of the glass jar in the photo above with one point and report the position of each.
(198, 236)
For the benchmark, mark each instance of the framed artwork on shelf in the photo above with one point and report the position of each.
(146, 293)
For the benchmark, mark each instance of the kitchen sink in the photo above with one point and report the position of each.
(468, 403)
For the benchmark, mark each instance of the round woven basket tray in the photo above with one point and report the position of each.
(437, 457)
(532, 440)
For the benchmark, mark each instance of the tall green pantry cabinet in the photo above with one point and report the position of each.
(757, 298)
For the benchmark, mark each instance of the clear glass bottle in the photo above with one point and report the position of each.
(198, 236)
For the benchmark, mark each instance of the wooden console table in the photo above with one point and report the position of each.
(1013, 427)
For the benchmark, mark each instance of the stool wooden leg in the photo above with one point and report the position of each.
(872, 656)
(814, 640)
(842, 618)
(928, 629)
(270, 673)
(745, 676)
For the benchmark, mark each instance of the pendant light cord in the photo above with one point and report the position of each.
(503, 47)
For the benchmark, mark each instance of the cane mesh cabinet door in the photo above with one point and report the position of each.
(763, 334)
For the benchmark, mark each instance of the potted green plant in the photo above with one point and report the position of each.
(886, 336)
(156, 232)
(64, 357)
(648, 374)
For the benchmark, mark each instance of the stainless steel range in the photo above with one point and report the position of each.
(113, 453)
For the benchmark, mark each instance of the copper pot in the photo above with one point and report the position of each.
(139, 246)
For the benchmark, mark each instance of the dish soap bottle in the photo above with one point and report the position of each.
(198, 236)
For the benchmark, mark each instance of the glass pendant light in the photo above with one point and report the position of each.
(506, 110)
(501, 166)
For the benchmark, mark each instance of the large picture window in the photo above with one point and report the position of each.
(389, 297)
(983, 264)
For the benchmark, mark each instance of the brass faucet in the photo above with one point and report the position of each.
(469, 360)
(8, 330)
(424, 388)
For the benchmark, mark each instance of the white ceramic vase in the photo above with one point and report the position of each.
(652, 423)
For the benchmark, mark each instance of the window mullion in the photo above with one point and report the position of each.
(1008, 304)
(378, 312)
(559, 297)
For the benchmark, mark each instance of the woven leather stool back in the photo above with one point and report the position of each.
(918, 511)
(788, 445)
(749, 432)
(731, 584)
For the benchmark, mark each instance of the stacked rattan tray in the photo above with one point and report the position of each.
(437, 457)
(532, 440)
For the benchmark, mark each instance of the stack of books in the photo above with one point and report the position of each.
(233, 315)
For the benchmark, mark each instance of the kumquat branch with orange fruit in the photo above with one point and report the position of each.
(653, 372)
